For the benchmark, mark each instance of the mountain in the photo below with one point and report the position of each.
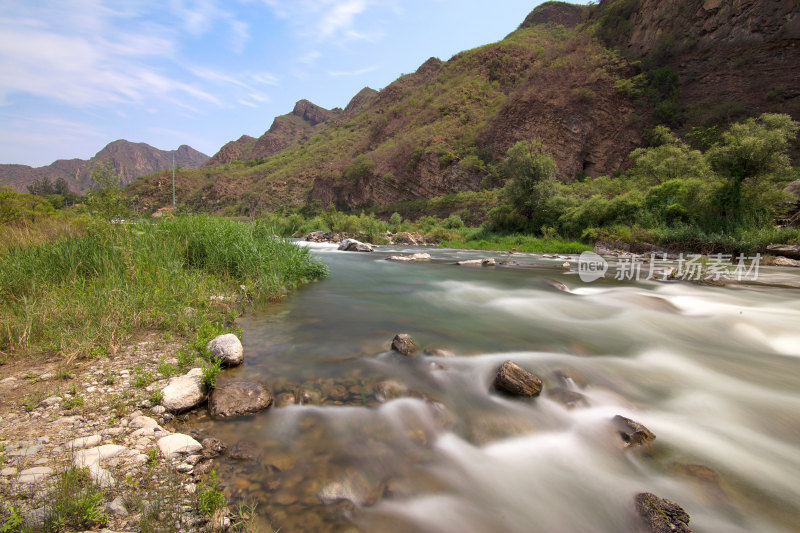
(590, 81)
(131, 160)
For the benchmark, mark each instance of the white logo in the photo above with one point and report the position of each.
(591, 267)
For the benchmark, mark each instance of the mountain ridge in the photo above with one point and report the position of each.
(130, 159)
(582, 78)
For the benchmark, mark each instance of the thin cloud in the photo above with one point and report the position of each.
(358, 72)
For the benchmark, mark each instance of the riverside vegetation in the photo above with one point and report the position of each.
(711, 192)
(77, 291)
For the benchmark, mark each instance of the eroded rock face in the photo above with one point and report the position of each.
(516, 381)
(632, 433)
(238, 398)
(404, 344)
(227, 348)
(661, 515)
(184, 392)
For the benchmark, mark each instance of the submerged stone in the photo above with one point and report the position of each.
(632, 433)
(516, 381)
(661, 515)
(238, 398)
(404, 344)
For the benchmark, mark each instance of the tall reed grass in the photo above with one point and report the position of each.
(84, 294)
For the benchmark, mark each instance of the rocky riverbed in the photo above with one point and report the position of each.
(100, 414)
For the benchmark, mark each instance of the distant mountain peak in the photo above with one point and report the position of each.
(130, 159)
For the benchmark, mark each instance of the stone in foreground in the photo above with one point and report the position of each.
(238, 398)
(404, 344)
(184, 392)
(516, 381)
(632, 433)
(176, 444)
(352, 245)
(227, 348)
(661, 515)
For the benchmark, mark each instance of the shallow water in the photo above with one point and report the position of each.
(714, 372)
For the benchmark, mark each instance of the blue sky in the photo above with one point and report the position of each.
(78, 74)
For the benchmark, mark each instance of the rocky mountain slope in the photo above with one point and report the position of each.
(590, 81)
(131, 160)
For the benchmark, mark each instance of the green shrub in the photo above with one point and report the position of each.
(210, 496)
(210, 372)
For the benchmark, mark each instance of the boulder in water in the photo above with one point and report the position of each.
(238, 398)
(245, 450)
(404, 344)
(633, 433)
(661, 515)
(488, 262)
(568, 398)
(516, 381)
(439, 352)
(409, 258)
(227, 348)
(352, 245)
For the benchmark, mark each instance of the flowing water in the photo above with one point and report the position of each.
(391, 443)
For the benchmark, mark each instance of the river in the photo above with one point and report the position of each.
(713, 372)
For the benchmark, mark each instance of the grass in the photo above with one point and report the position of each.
(518, 242)
(74, 503)
(85, 294)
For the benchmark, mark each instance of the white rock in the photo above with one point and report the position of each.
(177, 443)
(184, 392)
(46, 376)
(93, 456)
(117, 507)
(25, 452)
(7, 380)
(8, 471)
(227, 348)
(352, 245)
(83, 442)
(477, 262)
(65, 420)
(101, 476)
(158, 410)
(409, 258)
(52, 400)
(143, 422)
(32, 475)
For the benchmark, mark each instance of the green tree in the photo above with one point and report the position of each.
(533, 181)
(107, 201)
(752, 158)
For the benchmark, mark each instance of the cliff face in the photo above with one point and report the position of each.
(735, 58)
(130, 160)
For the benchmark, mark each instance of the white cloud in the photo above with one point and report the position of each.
(340, 16)
(96, 52)
(324, 20)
